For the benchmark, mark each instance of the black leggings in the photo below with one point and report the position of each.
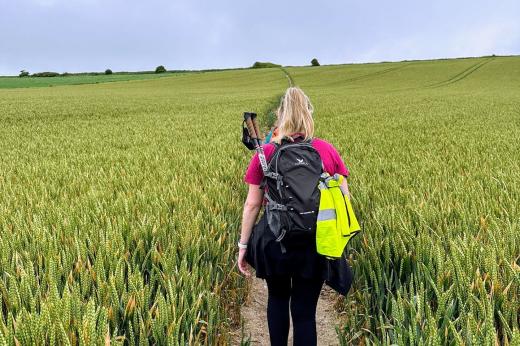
(303, 296)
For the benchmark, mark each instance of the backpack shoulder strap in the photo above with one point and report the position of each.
(273, 155)
(311, 141)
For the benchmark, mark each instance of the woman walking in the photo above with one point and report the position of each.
(295, 277)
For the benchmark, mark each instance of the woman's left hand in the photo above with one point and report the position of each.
(243, 266)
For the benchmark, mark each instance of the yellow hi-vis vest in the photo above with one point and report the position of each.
(336, 223)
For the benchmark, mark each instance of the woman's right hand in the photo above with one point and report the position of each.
(243, 266)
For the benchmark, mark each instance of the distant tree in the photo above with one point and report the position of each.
(23, 73)
(160, 69)
(45, 74)
(108, 71)
(260, 64)
(314, 62)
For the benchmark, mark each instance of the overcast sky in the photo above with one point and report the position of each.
(130, 35)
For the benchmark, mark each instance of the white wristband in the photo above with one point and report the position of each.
(242, 246)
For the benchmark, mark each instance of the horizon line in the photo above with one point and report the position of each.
(250, 67)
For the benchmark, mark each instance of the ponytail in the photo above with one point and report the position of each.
(295, 114)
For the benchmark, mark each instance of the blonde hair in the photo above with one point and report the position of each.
(295, 114)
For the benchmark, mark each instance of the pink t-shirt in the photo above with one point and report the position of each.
(329, 156)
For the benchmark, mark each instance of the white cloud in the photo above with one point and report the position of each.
(497, 37)
(411, 47)
(54, 3)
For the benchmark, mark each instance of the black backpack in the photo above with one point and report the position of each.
(292, 192)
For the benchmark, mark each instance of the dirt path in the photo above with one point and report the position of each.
(253, 313)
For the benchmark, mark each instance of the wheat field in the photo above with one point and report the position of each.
(120, 203)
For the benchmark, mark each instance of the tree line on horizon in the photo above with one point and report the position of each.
(158, 69)
(24, 73)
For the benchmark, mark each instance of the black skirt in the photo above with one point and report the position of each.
(264, 254)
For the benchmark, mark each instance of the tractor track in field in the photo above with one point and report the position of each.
(366, 76)
(461, 75)
(376, 73)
